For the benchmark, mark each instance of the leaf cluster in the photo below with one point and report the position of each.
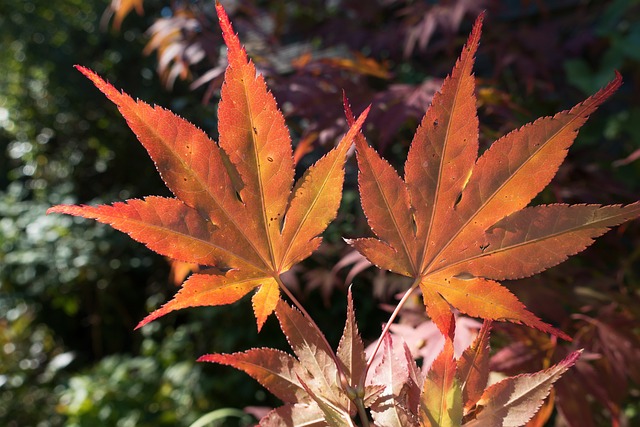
(456, 224)
(316, 391)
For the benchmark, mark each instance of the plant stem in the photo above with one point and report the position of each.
(362, 413)
(393, 316)
(294, 300)
(304, 312)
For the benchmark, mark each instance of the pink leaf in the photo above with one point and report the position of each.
(515, 400)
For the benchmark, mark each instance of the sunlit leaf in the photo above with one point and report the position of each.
(457, 223)
(515, 400)
(235, 208)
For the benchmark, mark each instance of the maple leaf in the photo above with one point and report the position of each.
(399, 375)
(317, 387)
(441, 401)
(320, 388)
(351, 355)
(454, 393)
(513, 401)
(235, 206)
(473, 367)
(457, 223)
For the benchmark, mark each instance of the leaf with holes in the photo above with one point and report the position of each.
(235, 207)
(457, 224)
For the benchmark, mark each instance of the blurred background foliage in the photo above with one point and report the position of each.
(71, 291)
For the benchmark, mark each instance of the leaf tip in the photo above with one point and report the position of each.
(116, 96)
(260, 321)
(222, 14)
(571, 359)
(560, 334)
(476, 31)
(265, 301)
(53, 209)
(538, 324)
(166, 308)
(602, 95)
(366, 111)
(75, 210)
(618, 76)
(613, 85)
(208, 357)
(89, 73)
(150, 318)
(236, 52)
(535, 322)
(347, 109)
(480, 17)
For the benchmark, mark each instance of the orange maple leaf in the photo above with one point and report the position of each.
(235, 206)
(458, 225)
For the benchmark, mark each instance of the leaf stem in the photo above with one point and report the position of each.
(362, 413)
(393, 316)
(304, 312)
